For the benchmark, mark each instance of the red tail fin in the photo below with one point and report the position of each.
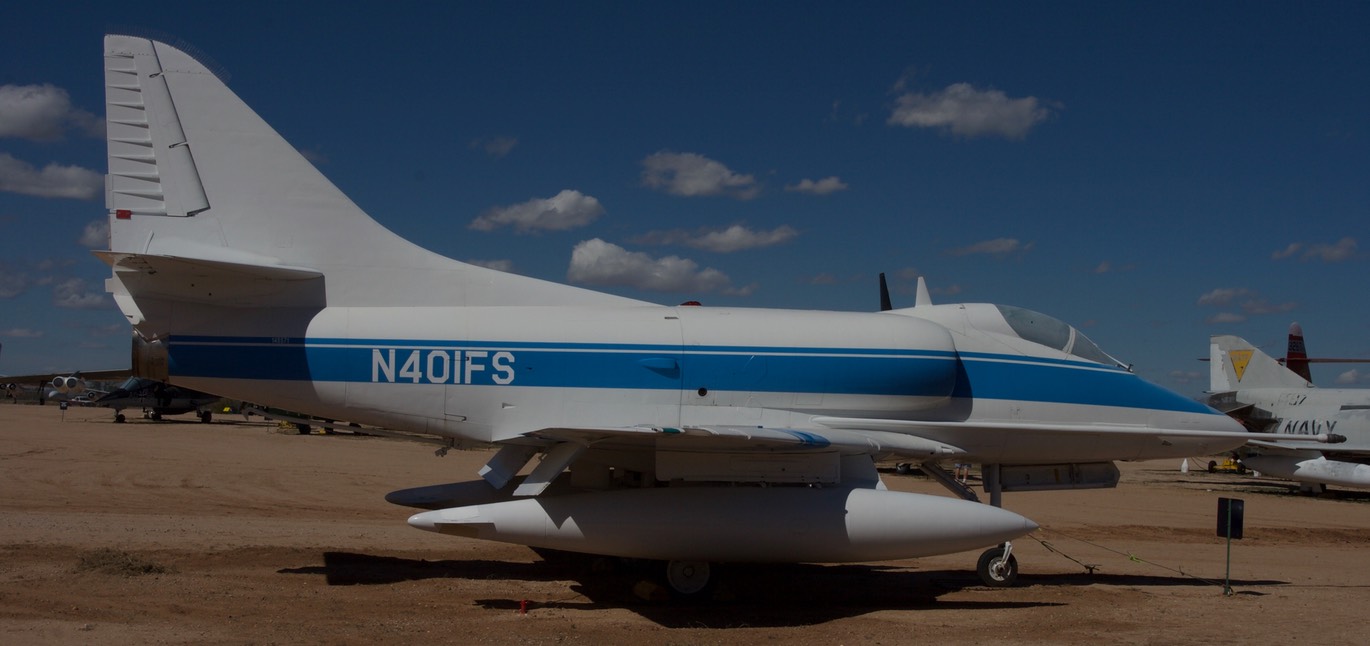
(1296, 358)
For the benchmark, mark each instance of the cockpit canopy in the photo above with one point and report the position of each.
(1053, 333)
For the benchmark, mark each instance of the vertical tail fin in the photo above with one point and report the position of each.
(1296, 357)
(1235, 364)
(200, 186)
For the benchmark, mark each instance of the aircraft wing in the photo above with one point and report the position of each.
(1331, 451)
(952, 427)
(743, 438)
(88, 375)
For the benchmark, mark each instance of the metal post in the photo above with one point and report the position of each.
(1227, 576)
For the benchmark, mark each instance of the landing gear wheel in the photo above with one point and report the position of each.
(903, 468)
(206, 416)
(689, 580)
(156, 417)
(119, 418)
(995, 570)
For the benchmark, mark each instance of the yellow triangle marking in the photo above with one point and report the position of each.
(1239, 360)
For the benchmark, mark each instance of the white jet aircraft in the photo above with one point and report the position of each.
(692, 435)
(1271, 399)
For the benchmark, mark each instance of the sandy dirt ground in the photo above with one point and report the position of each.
(237, 533)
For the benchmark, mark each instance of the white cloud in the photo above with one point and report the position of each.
(825, 186)
(1292, 249)
(596, 262)
(1343, 249)
(73, 293)
(95, 235)
(729, 240)
(496, 147)
(566, 210)
(1188, 376)
(966, 111)
(53, 181)
(694, 175)
(43, 113)
(1352, 376)
(1223, 295)
(1249, 301)
(24, 333)
(995, 247)
(506, 266)
(12, 283)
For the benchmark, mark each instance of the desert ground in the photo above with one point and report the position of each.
(239, 532)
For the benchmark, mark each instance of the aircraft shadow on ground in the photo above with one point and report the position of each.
(747, 595)
(1135, 580)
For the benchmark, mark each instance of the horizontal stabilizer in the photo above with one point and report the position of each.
(217, 282)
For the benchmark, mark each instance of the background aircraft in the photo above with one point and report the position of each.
(1269, 398)
(687, 435)
(61, 387)
(156, 399)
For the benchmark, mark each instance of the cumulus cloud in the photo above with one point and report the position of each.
(54, 180)
(694, 175)
(729, 240)
(1223, 296)
(1343, 249)
(496, 147)
(43, 113)
(95, 235)
(969, 112)
(596, 262)
(1188, 376)
(566, 210)
(1352, 376)
(825, 186)
(1250, 302)
(12, 283)
(995, 247)
(73, 293)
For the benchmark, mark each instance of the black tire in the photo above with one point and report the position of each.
(994, 571)
(689, 580)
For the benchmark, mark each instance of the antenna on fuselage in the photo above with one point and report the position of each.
(885, 304)
(923, 299)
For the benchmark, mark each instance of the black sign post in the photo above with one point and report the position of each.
(1230, 513)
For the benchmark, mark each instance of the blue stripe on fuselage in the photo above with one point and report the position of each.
(846, 371)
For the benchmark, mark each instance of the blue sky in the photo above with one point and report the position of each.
(1153, 173)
